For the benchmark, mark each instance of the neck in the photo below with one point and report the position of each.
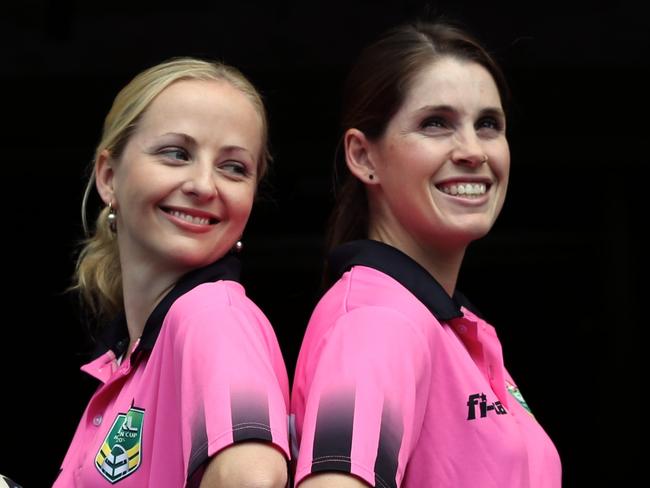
(143, 288)
(441, 263)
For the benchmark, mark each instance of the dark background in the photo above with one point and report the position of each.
(558, 276)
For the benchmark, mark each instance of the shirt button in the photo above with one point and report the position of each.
(462, 329)
(97, 420)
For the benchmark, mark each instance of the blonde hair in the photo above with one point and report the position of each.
(98, 276)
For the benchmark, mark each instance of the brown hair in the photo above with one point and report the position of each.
(98, 276)
(375, 90)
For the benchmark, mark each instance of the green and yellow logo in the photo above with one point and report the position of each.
(121, 451)
(514, 391)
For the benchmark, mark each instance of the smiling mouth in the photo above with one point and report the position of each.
(466, 190)
(190, 218)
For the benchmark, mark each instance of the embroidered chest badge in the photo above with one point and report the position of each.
(514, 391)
(121, 450)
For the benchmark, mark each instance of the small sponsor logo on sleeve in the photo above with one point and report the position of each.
(514, 391)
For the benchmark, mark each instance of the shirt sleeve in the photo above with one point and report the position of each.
(232, 382)
(365, 398)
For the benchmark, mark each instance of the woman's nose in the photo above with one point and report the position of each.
(200, 182)
(468, 151)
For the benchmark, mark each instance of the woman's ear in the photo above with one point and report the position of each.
(104, 173)
(358, 156)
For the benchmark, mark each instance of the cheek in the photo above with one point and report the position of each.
(506, 159)
(143, 186)
(399, 152)
(241, 203)
(399, 161)
(502, 163)
(504, 169)
(504, 175)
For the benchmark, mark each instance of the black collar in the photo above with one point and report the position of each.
(402, 268)
(116, 335)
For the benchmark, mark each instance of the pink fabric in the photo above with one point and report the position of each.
(405, 386)
(214, 376)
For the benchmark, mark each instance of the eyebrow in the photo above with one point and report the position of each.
(232, 149)
(494, 111)
(187, 139)
(436, 108)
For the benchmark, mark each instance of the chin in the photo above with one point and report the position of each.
(476, 227)
(193, 260)
(464, 236)
(478, 232)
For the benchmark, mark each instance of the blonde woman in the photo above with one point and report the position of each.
(192, 387)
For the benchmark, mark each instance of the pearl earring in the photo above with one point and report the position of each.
(111, 218)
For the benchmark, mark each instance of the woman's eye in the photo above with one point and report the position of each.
(176, 153)
(489, 123)
(235, 167)
(434, 122)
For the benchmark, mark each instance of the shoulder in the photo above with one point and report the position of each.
(213, 294)
(370, 291)
(222, 304)
(367, 302)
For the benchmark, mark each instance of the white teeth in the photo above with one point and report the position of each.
(466, 189)
(189, 218)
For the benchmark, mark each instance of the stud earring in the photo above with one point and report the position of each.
(111, 218)
(239, 245)
(371, 176)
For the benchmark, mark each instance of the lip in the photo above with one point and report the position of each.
(189, 226)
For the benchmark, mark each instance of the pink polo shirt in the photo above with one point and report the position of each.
(401, 385)
(206, 373)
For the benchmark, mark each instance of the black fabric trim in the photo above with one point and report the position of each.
(116, 335)
(249, 432)
(333, 435)
(462, 301)
(400, 267)
(199, 451)
(324, 465)
(390, 441)
(250, 418)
